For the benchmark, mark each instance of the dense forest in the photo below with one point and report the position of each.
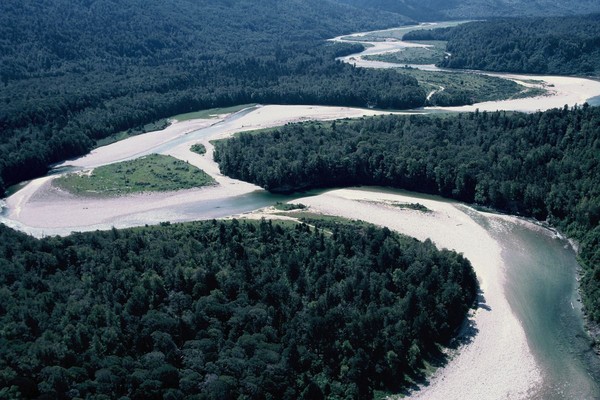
(75, 71)
(545, 165)
(224, 310)
(565, 45)
(435, 10)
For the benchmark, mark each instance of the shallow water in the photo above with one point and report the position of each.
(594, 101)
(541, 289)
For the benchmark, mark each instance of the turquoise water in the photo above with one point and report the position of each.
(541, 288)
(594, 101)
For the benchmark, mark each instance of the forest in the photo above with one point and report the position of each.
(554, 45)
(544, 165)
(436, 10)
(73, 72)
(224, 310)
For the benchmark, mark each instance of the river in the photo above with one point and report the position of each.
(530, 342)
(541, 288)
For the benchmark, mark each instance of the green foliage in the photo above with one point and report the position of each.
(411, 206)
(435, 10)
(289, 206)
(461, 88)
(75, 72)
(545, 165)
(198, 148)
(565, 45)
(218, 310)
(152, 173)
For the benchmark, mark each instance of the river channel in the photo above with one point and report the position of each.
(541, 288)
(539, 270)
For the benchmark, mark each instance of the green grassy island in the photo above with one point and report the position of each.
(152, 173)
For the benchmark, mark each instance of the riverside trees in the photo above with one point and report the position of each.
(545, 165)
(557, 45)
(224, 310)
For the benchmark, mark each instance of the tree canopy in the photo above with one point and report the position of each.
(545, 165)
(436, 10)
(74, 71)
(557, 45)
(224, 310)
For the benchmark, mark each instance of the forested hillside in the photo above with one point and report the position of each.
(565, 45)
(433, 10)
(544, 165)
(223, 310)
(74, 71)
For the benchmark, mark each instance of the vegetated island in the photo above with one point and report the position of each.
(198, 148)
(448, 88)
(545, 165)
(151, 173)
(225, 309)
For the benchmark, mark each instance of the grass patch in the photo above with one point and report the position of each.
(325, 221)
(289, 206)
(152, 173)
(478, 87)
(210, 113)
(198, 148)
(530, 92)
(432, 54)
(411, 206)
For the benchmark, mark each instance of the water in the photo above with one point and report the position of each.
(541, 288)
(594, 101)
(220, 208)
(192, 211)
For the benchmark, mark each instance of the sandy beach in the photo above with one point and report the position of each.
(498, 362)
